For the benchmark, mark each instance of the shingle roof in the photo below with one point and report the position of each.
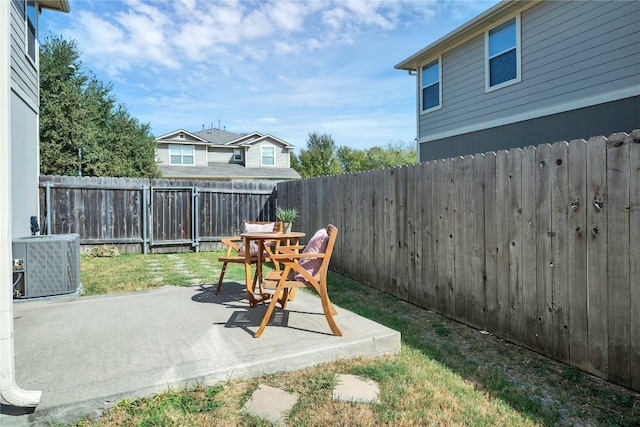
(218, 136)
(227, 171)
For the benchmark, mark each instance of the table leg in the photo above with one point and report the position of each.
(259, 268)
(247, 273)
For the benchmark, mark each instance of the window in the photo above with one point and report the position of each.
(31, 22)
(503, 55)
(181, 154)
(268, 156)
(237, 155)
(181, 136)
(430, 83)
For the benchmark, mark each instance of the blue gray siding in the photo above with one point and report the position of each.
(571, 52)
(24, 127)
(583, 123)
(24, 75)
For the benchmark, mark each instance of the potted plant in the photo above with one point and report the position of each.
(287, 216)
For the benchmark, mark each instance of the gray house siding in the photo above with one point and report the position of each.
(24, 76)
(571, 52)
(24, 127)
(603, 119)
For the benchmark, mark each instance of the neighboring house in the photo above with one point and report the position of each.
(23, 106)
(529, 72)
(222, 155)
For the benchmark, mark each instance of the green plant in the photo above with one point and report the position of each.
(286, 215)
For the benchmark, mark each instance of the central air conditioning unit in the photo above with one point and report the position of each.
(50, 265)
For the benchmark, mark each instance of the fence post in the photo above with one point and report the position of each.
(195, 217)
(48, 203)
(145, 212)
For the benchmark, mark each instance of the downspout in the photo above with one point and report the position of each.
(9, 391)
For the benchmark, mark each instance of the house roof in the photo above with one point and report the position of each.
(227, 171)
(218, 136)
(221, 138)
(464, 33)
(59, 5)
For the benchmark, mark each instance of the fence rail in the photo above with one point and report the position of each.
(539, 245)
(138, 215)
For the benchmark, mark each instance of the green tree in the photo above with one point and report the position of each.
(393, 154)
(319, 159)
(351, 160)
(82, 127)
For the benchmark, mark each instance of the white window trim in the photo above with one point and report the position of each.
(518, 79)
(439, 106)
(234, 154)
(33, 61)
(193, 154)
(262, 155)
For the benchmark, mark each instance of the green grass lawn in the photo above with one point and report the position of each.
(446, 374)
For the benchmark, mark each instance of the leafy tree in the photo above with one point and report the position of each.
(351, 160)
(393, 154)
(322, 158)
(319, 158)
(82, 127)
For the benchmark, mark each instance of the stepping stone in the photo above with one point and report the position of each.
(271, 404)
(355, 389)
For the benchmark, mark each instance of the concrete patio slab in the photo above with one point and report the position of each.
(86, 354)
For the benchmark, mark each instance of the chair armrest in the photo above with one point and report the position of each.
(231, 244)
(289, 249)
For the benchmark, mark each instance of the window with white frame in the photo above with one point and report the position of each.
(237, 155)
(503, 54)
(181, 154)
(268, 155)
(430, 84)
(31, 24)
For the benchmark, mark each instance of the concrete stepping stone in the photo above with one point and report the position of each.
(352, 388)
(271, 404)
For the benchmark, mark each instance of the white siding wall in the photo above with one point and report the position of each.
(570, 51)
(254, 155)
(164, 157)
(221, 156)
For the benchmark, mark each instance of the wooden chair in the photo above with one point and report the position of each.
(232, 254)
(301, 270)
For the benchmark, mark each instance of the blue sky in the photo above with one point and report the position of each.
(282, 67)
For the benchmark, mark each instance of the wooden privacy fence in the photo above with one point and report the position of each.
(539, 245)
(138, 215)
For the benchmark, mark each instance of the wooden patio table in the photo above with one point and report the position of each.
(291, 237)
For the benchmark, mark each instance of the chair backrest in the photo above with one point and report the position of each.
(332, 231)
(319, 266)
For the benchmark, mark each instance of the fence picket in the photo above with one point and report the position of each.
(634, 255)
(577, 232)
(514, 244)
(477, 299)
(559, 223)
(617, 261)
(597, 254)
(502, 244)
